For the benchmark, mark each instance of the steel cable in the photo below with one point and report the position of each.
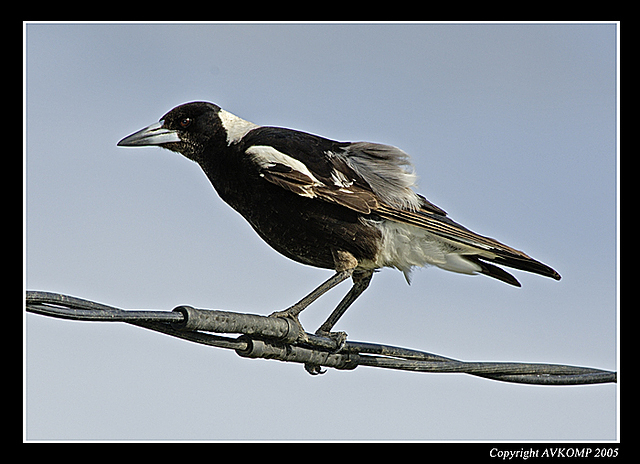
(280, 338)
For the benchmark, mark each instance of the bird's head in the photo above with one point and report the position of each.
(186, 129)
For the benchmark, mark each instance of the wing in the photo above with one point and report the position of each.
(360, 175)
(374, 179)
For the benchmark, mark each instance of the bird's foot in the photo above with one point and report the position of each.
(314, 369)
(340, 338)
(293, 317)
(285, 313)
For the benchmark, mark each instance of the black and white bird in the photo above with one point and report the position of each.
(344, 206)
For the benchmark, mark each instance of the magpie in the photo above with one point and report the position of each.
(345, 206)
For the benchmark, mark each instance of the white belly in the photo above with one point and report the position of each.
(405, 247)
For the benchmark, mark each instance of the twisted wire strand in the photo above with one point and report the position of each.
(278, 338)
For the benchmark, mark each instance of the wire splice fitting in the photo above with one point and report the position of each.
(279, 328)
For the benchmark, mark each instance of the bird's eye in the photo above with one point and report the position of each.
(186, 122)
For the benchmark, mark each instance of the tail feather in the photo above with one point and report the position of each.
(484, 252)
(529, 265)
(494, 271)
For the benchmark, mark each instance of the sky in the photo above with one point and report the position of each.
(512, 129)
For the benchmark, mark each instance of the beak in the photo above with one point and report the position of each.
(155, 134)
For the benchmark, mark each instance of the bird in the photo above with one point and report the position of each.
(350, 207)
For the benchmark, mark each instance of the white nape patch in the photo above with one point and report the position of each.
(266, 156)
(405, 246)
(236, 127)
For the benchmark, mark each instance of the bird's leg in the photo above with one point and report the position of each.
(293, 311)
(361, 281)
(296, 309)
(345, 263)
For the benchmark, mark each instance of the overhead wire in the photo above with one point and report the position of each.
(281, 339)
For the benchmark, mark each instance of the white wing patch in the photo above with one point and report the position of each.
(293, 175)
(340, 180)
(267, 157)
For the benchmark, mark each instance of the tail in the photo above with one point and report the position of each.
(523, 264)
(472, 253)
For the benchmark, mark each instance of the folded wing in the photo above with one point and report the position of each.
(375, 179)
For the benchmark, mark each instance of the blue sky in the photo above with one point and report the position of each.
(512, 129)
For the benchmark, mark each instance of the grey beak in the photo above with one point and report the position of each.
(155, 134)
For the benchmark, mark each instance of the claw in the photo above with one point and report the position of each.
(340, 338)
(314, 369)
(286, 314)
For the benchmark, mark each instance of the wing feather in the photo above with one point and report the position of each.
(485, 248)
(354, 197)
(376, 179)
